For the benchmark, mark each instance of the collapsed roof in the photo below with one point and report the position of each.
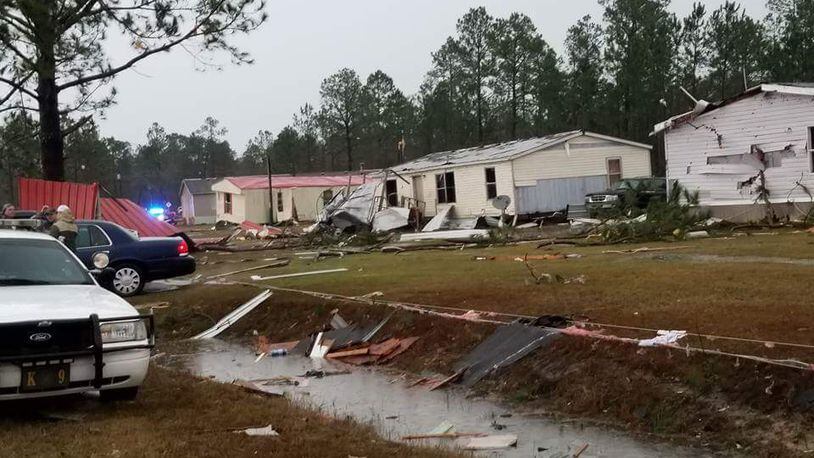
(498, 152)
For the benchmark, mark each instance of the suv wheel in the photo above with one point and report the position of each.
(128, 280)
(120, 394)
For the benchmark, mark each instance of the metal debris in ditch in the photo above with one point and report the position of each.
(234, 316)
(495, 442)
(298, 274)
(506, 346)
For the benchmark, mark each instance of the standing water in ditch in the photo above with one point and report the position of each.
(388, 403)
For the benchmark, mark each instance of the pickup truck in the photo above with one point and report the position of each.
(60, 332)
(643, 190)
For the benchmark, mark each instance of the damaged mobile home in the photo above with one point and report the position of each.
(749, 156)
(301, 198)
(539, 175)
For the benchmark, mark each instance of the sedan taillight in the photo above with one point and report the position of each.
(183, 248)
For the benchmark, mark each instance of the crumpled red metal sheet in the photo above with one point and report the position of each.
(127, 213)
(81, 198)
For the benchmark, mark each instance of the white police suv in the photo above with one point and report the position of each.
(60, 332)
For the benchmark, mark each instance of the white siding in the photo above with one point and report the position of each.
(238, 214)
(772, 121)
(470, 189)
(580, 157)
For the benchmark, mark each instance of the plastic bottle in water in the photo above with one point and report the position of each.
(278, 352)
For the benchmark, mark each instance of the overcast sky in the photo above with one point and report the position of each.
(303, 42)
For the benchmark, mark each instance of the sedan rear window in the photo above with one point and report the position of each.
(39, 262)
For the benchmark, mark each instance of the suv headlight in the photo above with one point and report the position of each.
(123, 331)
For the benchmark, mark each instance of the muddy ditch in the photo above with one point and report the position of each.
(718, 404)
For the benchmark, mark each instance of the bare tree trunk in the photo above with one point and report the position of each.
(349, 146)
(51, 142)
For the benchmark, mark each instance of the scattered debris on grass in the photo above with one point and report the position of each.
(278, 263)
(298, 274)
(264, 431)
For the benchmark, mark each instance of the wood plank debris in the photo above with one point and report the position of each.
(152, 305)
(298, 274)
(645, 250)
(234, 316)
(491, 442)
(345, 354)
(444, 382)
(442, 436)
(464, 234)
(279, 263)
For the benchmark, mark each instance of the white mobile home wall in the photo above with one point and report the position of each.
(772, 121)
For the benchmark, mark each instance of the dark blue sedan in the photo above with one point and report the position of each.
(135, 261)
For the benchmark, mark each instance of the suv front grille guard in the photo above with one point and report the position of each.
(96, 350)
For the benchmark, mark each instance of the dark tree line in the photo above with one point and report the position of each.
(494, 79)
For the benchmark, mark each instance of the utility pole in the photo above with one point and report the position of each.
(271, 192)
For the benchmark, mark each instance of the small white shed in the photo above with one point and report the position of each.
(299, 197)
(540, 175)
(747, 154)
(198, 200)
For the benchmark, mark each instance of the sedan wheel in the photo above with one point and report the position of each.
(128, 281)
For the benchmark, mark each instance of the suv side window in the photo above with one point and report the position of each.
(91, 236)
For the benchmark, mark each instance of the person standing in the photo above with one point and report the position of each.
(64, 228)
(8, 211)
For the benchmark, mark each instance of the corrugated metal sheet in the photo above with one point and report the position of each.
(127, 213)
(283, 182)
(82, 198)
(555, 194)
(488, 153)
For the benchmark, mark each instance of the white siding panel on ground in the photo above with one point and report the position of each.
(772, 121)
(580, 157)
(470, 189)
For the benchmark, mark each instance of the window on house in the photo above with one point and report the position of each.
(279, 201)
(491, 183)
(614, 171)
(391, 190)
(445, 184)
(227, 203)
(811, 147)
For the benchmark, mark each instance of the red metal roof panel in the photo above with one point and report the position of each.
(81, 198)
(127, 213)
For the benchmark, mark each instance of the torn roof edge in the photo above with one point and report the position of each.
(783, 88)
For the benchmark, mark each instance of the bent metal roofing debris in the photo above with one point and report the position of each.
(233, 316)
(505, 347)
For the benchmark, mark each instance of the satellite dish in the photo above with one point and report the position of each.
(501, 202)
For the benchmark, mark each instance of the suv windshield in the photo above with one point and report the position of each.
(39, 262)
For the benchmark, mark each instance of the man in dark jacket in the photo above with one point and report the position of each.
(65, 229)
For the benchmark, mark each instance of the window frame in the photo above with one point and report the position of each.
(442, 188)
(392, 198)
(490, 185)
(90, 238)
(227, 203)
(608, 174)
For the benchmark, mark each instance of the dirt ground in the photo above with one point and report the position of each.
(178, 415)
(749, 286)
